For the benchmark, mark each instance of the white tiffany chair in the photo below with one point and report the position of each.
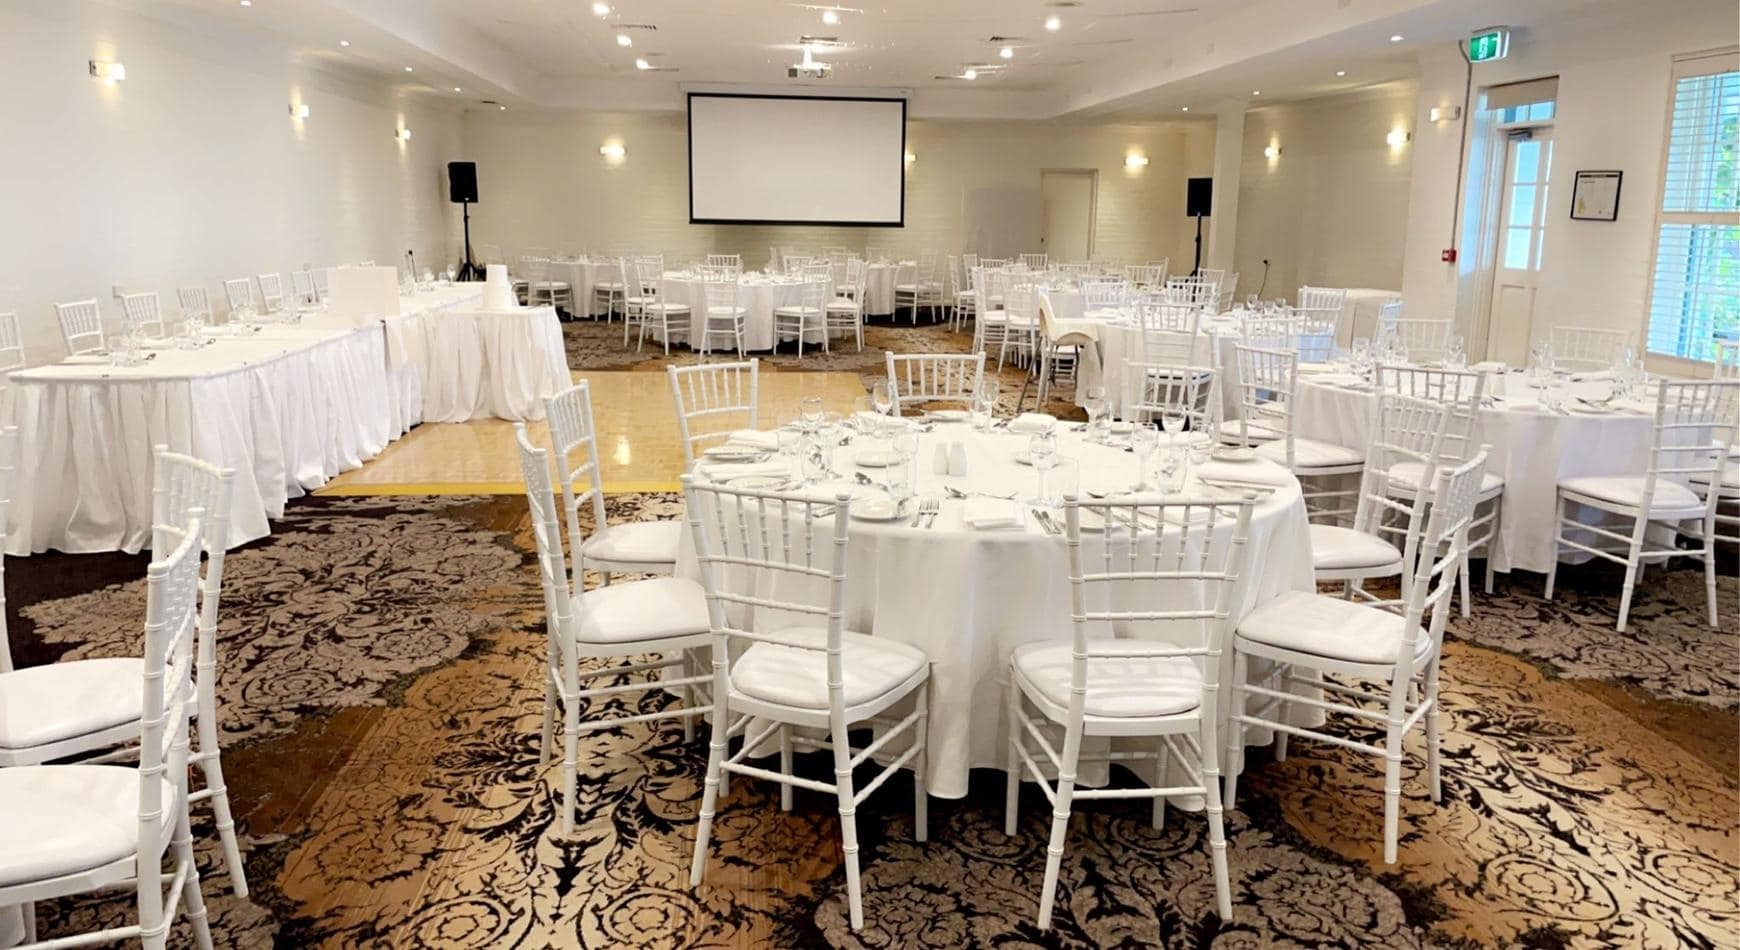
(1463, 392)
(143, 314)
(1200, 292)
(731, 263)
(990, 320)
(83, 706)
(634, 547)
(1107, 681)
(961, 296)
(1588, 349)
(712, 401)
(1322, 298)
(1271, 331)
(81, 326)
(195, 303)
(916, 378)
(1267, 382)
(725, 316)
(610, 286)
(1302, 633)
(1104, 294)
(1035, 261)
(1151, 389)
(808, 318)
(930, 285)
(1225, 290)
(72, 829)
(667, 319)
(906, 292)
(1424, 340)
(1146, 275)
(1020, 324)
(1407, 435)
(846, 310)
(11, 350)
(1695, 424)
(1388, 313)
(271, 292)
(621, 622)
(303, 289)
(545, 288)
(774, 566)
(239, 293)
(1169, 332)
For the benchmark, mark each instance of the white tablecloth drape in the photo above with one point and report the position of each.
(478, 364)
(583, 277)
(968, 598)
(757, 295)
(1120, 342)
(878, 290)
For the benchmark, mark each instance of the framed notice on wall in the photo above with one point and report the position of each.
(1595, 197)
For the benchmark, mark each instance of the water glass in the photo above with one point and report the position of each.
(1094, 401)
(1041, 447)
(1143, 441)
(1455, 356)
(810, 410)
(880, 397)
(1062, 479)
(814, 459)
(1172, 420)
(1173, 468)
(899, 485)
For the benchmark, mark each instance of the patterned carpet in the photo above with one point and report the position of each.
(380, 660)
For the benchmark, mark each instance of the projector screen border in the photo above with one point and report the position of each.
(689, 127)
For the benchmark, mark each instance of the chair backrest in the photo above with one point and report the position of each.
(1103, 294)
(166, 698)
(713, 400)
(195, 303)
(1695, 425)
(853, 286)
(1425, 340)
(1192, 291)
(240, 293)
(1021, 303)
(767, 566)
(795, 263)
(1461, 390)
(991, 286)
(1322, 298)
(143, 313)
(303, 289)
(719, 290)
(1406, 430)
(1035, 261)
(934, 377)
(1225, 290)
(648, 285)
(1146, 275)
(560, 604)
(11, 348)
(1442, 545)
(574, 443)
(1588, 348)
(8, 482)
(1319, 332)
(732, 262)
(818, 285)
(1388, 313)
(1153, 388)
(1274, 332)
(1179, 562)
(1267, 377)
(1169, 332)
(180, 486)
(81, 326)
(272, 291)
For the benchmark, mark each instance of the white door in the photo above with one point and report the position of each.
(1522, 224)
(1068, 198)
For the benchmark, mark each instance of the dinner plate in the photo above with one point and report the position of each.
(1233, 453)
(876, 458)
(876, 509)
(734, 453)
(760, 482)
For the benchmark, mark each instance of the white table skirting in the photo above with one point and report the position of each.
(479, 364)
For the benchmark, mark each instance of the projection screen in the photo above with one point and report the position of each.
(796, 160)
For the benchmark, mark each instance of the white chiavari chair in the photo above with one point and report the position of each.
(1153, 388)
(78, 828)
(662, 616)
(918, 378)
(906, 290)
(1034, 261)
(725, 316)
(730, 263)
(808, 318)
(195, 304)
(1588, 348)
(1695, 423)
(81, 326)
(143, 314)
(1169, 332)
(712, 401)
(1322, 298)
(1197, 292)
(610, 285)
(1275, 332)
(994, 263)
(1388, 313)
(1106, 681)
(239, 294)
(990, 320)
(1226, 290)
(961, 298)
(1020, 324)
(1463, 392)
(1146, 275)
(1267, 381)
(11, 349)
(794, 263)
(774, 567)
(665, 318)
(1319, 333)
(321, 291)
(845, 313)
(932, 284)
(634, 547)
(302, 288)
(543, 288)
(271, 292)
(1104, 294)
(1425, 340)
(1301, 632)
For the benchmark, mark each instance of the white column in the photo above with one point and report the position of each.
(1229, 142)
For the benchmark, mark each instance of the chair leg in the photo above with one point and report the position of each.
(1162, 765)
(549, 731)
(1709, 558)
(1013, 770)
(785, 767)
(570, 762)
(1235, 730)
(1492, 539)
(1633, 567)
(1434, 735)
(190, 892)
(1059, 827)
(1392, 783)
(920, 790)
(848, 824)
(1462, 582)
(688, 703)
(710, 787)
(212, 768)
(1558, 535)
(1213, 812)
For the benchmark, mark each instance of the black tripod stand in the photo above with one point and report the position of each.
(470, 271)
(1197, 266)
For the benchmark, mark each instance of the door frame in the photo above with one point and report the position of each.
(1093, 177)
(1485, 225)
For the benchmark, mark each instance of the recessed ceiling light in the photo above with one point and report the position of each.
(624, 40)
(409, 69)
(1396, 38)
(642, 64)
(1256, 92)
(344, 42)
(247, 3)
(502, 108)
(971, 73)
(457, 89)
(1053, 23)
(1340, 72)
(1007, 52)
(1184, 109)
(830, 17)
(601, 9)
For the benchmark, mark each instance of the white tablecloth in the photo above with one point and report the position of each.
(969, 598)
(757, 295)
(1359, 314)
(478, 364)
(1534, 450)
(878, 289)
(1120, 342)
(583, 277)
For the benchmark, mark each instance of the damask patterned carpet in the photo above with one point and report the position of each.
(380, 708)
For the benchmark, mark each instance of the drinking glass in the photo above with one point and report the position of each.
(1143, 441)
(1094, 401)
(810, 410)
(1062, 479)
(1455, 355)
(1172, 420)
(899, 485)
(1172, 470)
(814, 459)
(1041, 447)
(985, 404)
(881, 398)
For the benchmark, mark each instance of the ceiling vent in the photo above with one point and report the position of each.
(648, 27)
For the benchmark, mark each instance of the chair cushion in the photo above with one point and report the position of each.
(1628, 490)
(63, 819)
(1406, 476)
(1329, 627)
(796, 311)
(796, 677)
(1118, 685)
(43, 704)
(551, 285)
(1334, 548)
(639, 542)
(606, 285)
(905, 288)
(1235, 430)
(994, 317)
(668, 308)
(643, 610)
(1310, 453)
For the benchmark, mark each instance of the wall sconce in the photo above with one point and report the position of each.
(1398, 138)
(108, 72)
(1446, 113)
(910, 158)
(299, 110)
(403, 135)
(612, 150)
(1272, 152)
(1135, 160)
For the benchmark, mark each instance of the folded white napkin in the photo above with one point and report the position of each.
(1255, 472)
(724, 470)
(1029, 422)
(755, 438)
(989, 514)
(1488, 366)
(878, 419)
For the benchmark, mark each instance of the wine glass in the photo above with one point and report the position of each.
(881, 398)
(1455, 356)
(1094, 401)
(1172, 420)
(1143, 441)
(810, 410)
(985, 404)
(1041, 447)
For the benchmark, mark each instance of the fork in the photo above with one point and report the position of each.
(928, 509)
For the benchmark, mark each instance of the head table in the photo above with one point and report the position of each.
(969, 596)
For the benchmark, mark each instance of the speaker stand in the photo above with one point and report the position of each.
(470, 271)
(1197, 266)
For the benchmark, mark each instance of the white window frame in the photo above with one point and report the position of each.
(1704, 63)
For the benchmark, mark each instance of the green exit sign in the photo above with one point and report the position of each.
(1488, 45)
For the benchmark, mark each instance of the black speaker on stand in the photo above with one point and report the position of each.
(462, 190)
(1198, 204)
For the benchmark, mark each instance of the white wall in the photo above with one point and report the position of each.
(544, 184)
(1332, 208)
(192, 169)
(1614, 72)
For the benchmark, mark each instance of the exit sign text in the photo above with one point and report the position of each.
(1488, 45)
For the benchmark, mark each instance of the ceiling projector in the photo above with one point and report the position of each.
(808, 69)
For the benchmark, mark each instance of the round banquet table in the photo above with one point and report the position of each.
(878, 288)
(969, 597)
(1533, 449)
(1119, 341)
(757, 295)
